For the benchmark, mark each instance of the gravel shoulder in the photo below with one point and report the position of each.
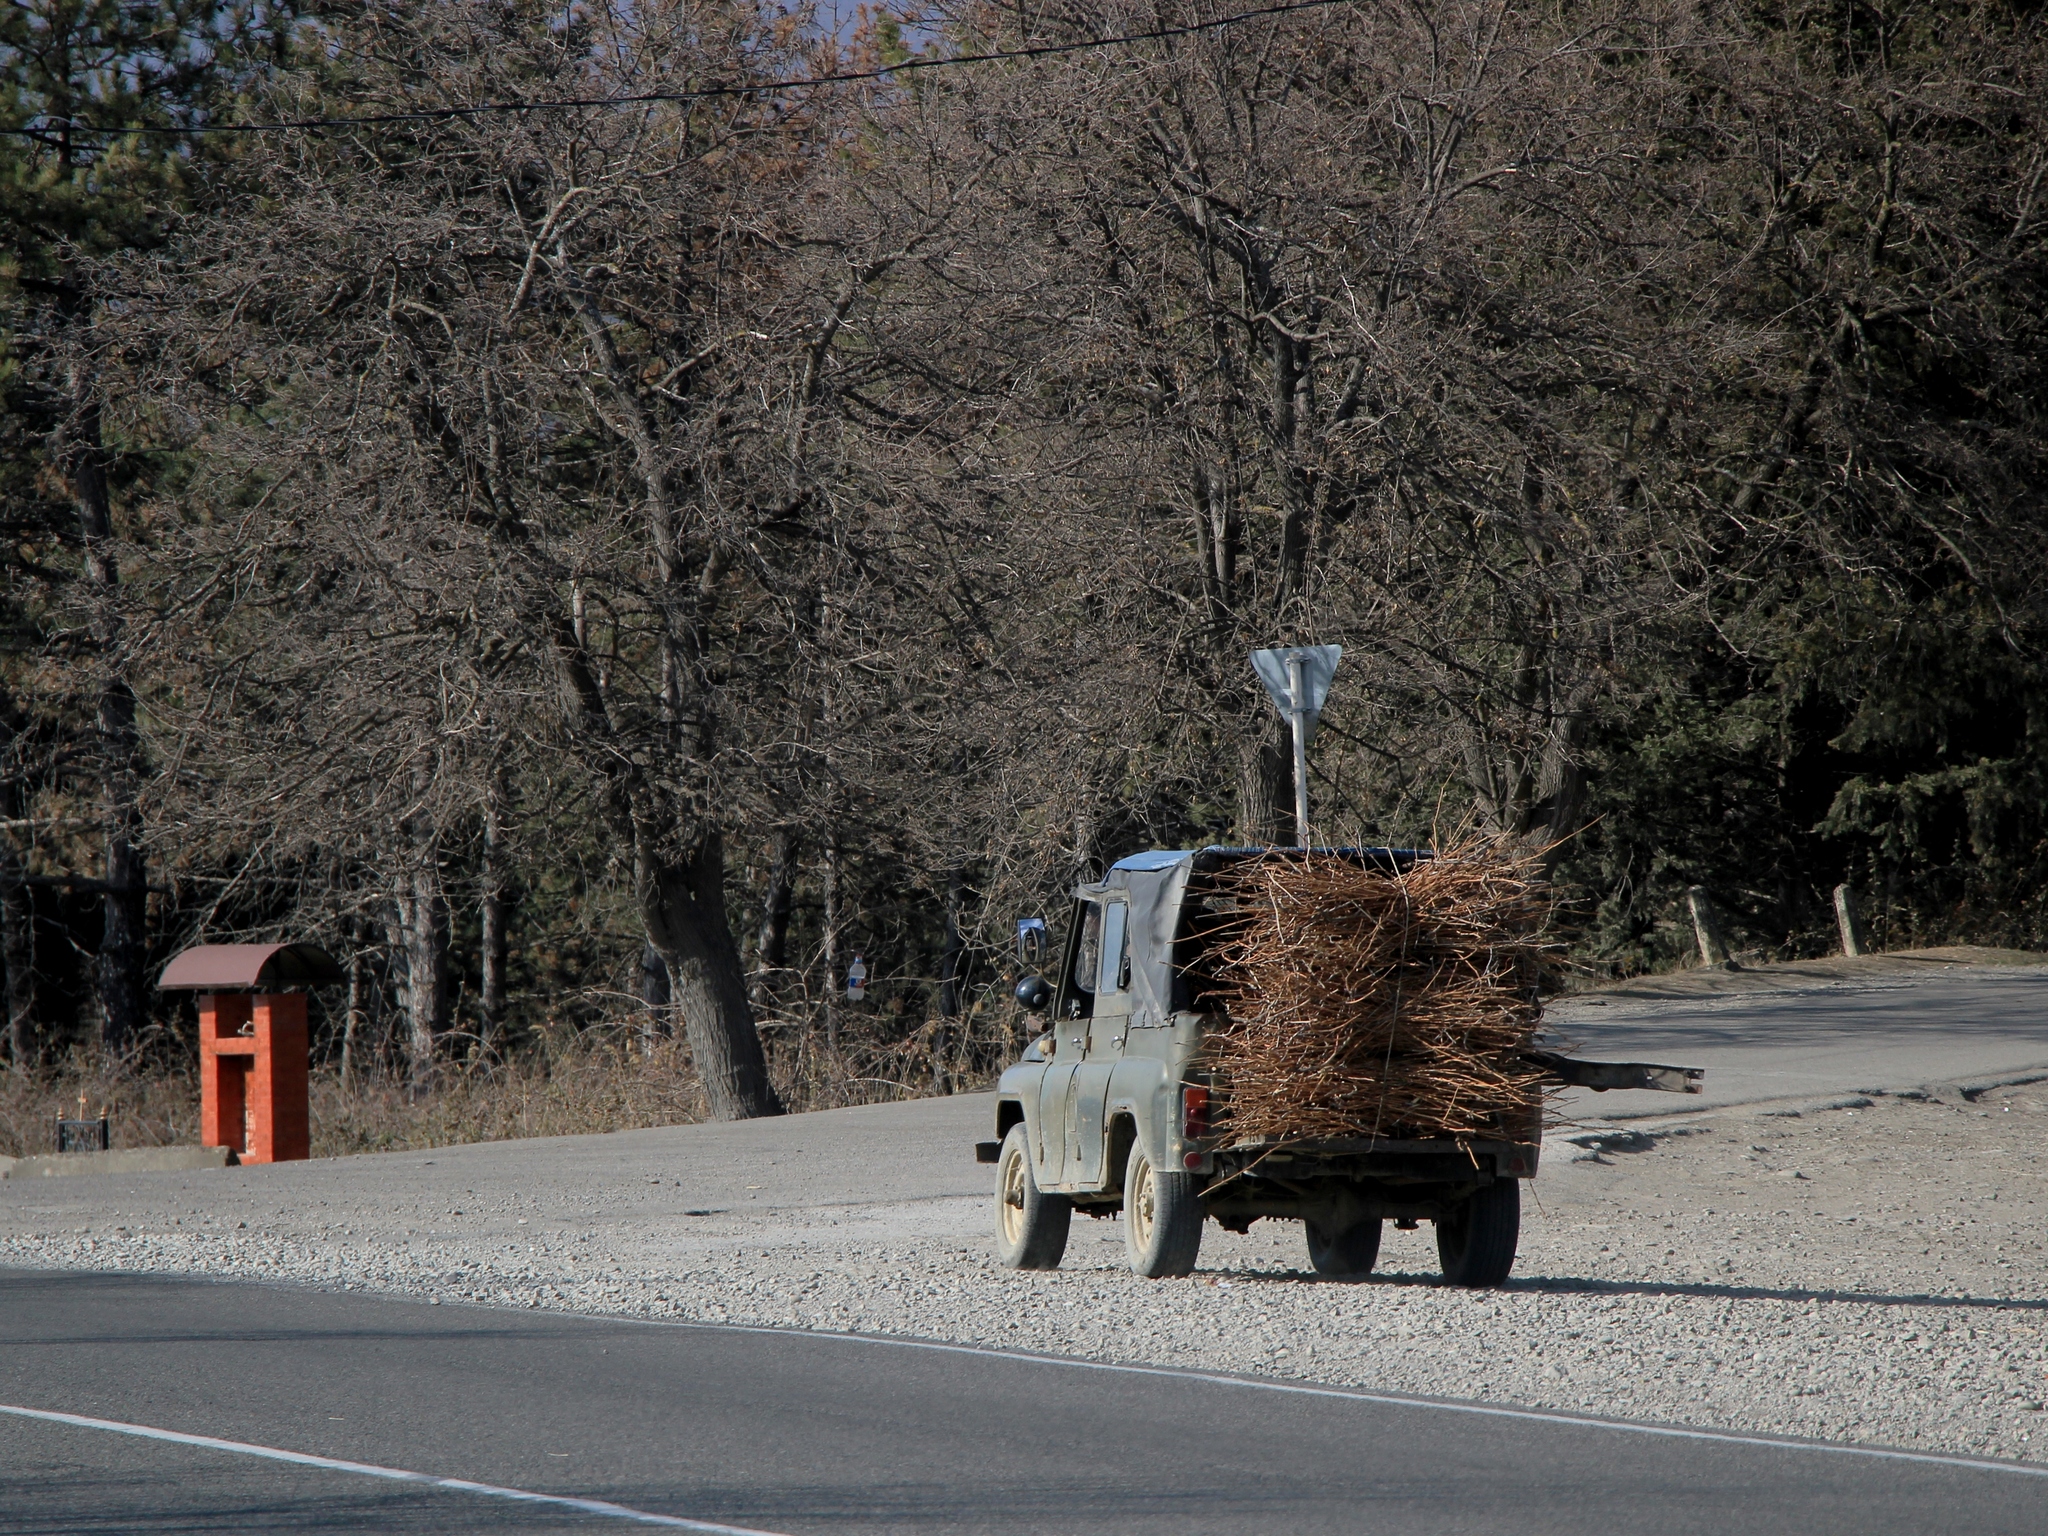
(1874, 1272)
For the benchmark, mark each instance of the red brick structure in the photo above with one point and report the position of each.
(252, 1086)
(252, 1045)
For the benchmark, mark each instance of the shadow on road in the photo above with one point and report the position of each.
(1575, 1286)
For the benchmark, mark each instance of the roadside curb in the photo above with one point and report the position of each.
(128, 1160)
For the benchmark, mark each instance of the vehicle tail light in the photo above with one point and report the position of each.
(1194, 1113)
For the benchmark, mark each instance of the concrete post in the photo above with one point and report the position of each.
(1847, 920)
(1706, 927)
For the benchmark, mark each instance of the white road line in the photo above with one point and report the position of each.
(389, 1474)
(1381, 1399)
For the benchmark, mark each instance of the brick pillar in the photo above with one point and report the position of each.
(281, 1123)
(224, 1057)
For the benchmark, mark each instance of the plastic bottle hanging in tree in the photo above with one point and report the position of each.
(857, 980)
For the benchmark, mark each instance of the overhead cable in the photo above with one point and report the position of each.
(706, 93)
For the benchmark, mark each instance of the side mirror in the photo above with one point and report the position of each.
(1031, 941)
(1035, 993)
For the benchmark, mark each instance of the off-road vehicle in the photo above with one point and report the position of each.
(1112, 1108)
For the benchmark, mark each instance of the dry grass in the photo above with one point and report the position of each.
(155, 1108)
(569, 1085)
(1368, 1004)
(586, 1086)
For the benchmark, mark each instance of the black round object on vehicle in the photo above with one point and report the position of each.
(1476, 1238)
(1031, 1225)
(1344, 1253)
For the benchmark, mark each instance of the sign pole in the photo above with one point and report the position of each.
(1297, 716)
(1297, 679)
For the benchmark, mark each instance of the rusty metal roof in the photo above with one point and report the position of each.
(229, 967)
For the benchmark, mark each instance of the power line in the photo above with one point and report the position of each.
(708, 93)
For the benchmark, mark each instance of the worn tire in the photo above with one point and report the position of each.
(1476, 1239)
(1031, 1225)
(1162, 1218)
(1344, 1253)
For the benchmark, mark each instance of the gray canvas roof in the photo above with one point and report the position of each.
(1154, 883)
(1154, 859)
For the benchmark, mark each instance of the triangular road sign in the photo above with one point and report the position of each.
(1318, 666)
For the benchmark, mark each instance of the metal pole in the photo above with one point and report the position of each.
(1298, 717)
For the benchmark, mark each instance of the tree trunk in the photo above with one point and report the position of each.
(491, 920)
(17, 951)
(17, 917)
(655, 993)
(353, 1021)
(771, 941)
(682, 905)
(1553, 818)
(384, 993)
(421, 936)
(951, 971)
(1265, 776)
(950, 957)
(122, 988)
(682, 900)
(831, 944)
(397, 923)
(1535, 797)
(123, 950)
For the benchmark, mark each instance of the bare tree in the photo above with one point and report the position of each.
(494, 908)
(606, 338)
(818, 512)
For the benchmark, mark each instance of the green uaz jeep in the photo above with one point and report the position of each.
(1111, 1108)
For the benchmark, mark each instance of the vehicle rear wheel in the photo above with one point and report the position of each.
(1476, 1238)
(1031, 1225)
(1344, 1253)
(1162, 1218)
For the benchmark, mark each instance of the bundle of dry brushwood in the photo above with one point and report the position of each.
(1366, 1003)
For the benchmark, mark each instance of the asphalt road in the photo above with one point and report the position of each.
(818, 1433)
(1885, 1026)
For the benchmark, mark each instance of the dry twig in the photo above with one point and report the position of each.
(1362, 1003)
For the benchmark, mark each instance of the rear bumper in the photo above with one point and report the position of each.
(1342, 1182)
(1382, 1160)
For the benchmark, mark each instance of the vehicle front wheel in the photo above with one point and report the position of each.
(1344, 1253)
(1162, 1218)
(1476, 1238)
(1031, 1226)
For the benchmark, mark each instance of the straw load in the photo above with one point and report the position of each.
(1364, 1003)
